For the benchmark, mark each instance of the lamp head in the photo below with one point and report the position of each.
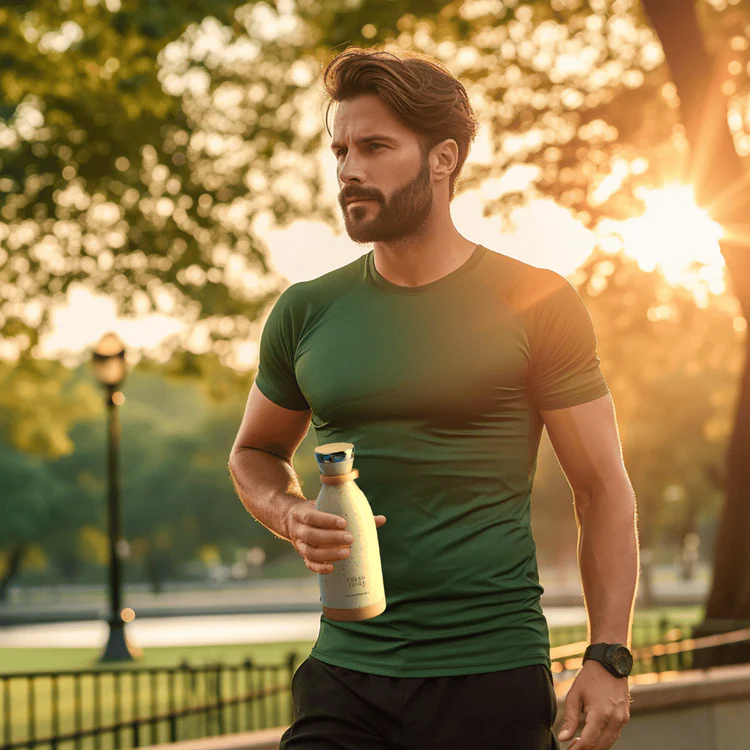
(108, 360)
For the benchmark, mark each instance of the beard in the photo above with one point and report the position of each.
(400, 216)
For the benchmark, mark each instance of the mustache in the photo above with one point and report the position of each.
(349, 197)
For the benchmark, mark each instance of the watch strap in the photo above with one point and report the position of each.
(601, 652)
(596, 651)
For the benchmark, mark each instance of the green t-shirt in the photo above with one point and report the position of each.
(438, 387)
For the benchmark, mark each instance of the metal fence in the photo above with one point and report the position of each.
(102, 709)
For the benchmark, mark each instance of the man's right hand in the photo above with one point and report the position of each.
(317, 537)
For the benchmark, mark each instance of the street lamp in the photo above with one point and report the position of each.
(108, 362)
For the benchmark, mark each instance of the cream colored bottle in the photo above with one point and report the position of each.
(354, 590)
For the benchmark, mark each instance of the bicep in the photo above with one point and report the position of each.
(270, 427)
(586, 442)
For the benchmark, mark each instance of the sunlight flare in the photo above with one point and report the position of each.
(677, 237)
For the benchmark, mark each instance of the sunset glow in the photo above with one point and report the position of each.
(675, 236)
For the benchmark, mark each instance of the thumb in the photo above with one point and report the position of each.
(570, 717)
(379, 520)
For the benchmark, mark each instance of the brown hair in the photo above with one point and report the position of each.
(420, 90)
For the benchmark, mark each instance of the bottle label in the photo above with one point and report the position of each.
(356, 582)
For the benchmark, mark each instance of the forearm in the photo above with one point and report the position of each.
(268, 487)
(608, 558)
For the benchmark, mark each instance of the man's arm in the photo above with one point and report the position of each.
(587, 444)
(260, 462)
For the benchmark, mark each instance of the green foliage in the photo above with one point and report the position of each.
(31, 498)
(39, 403)
(106, 175)
(176, 492)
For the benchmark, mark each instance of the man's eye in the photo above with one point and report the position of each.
(338, 153)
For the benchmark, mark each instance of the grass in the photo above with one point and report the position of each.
(61, 659)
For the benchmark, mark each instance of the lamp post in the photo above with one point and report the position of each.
(108, 362)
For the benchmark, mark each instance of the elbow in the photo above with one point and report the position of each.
(582, 498)
(233, 456)
(614, 492)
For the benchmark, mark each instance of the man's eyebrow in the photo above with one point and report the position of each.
(367, 139)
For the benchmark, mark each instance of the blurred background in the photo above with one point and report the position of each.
(165, 173)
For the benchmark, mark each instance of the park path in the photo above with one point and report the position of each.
(200, 631)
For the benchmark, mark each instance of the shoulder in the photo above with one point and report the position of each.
(524, 286)
(302, 298)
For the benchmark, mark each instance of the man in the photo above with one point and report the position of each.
(441, 361)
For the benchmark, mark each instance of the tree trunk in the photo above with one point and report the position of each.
(715, 171)
(14, 565)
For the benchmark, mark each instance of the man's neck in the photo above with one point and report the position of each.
(420, 265)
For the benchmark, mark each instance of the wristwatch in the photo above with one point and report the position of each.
(614, 656)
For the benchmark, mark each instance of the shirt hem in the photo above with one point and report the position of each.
(387, 670)
(583, 397)
(277, 397)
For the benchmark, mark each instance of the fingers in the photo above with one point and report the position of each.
(316, 567)
(592, 731)
(612, 730)
(325, 539)
(321, 540)
(319, 559)
(571, 716)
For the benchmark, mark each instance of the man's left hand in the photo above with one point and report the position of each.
(605, 701)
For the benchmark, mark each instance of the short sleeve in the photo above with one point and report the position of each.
(565, 369)
(276, 378)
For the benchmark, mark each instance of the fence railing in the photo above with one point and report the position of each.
(645, 633)
(104, 709)
(674, 654)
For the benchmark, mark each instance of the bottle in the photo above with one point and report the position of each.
(354, 590)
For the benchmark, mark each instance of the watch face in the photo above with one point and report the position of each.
(622, 660)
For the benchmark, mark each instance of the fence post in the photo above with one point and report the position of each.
(220, 699)
(187, 690)
(663, 629)
(171, 680)
(248, 665)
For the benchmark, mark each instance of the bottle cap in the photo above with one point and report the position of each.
(332, 453)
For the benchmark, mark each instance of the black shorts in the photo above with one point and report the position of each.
(342, 709)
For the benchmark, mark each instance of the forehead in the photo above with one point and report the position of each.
(367, 115)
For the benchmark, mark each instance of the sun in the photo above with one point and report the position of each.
(677, 237)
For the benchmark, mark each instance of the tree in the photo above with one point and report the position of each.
(700, 78)
(32, 509)
(116, 172)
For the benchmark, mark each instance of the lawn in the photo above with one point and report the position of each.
(60, 659)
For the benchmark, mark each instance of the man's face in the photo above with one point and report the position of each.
(389, 171)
